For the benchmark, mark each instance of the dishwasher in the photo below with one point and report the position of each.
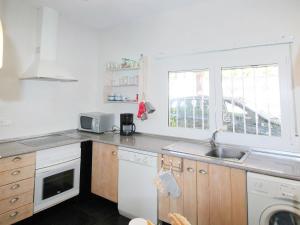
(137, 193)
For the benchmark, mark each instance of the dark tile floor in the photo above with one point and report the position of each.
(91, 210)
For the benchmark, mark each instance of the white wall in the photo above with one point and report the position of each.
(206, 25)
(37, 107)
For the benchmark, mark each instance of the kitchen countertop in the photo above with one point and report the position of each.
(259, 162)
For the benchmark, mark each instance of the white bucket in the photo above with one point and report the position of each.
(138, 221)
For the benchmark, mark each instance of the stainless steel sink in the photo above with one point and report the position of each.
(230, 154)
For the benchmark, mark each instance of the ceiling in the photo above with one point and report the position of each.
(106, 13)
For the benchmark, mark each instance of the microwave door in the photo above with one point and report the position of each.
(87, 123)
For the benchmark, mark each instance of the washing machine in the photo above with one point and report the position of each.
(273, 200)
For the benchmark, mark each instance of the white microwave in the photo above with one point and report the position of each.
(96, 122)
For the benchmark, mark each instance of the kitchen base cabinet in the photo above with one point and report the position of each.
(176, 204)
(16, 188)
(163, 207)
(163, 200)
(19, 161)
(239, 197)
(190, 190)
(16, 201)
(14, 175)
(105, 171)
(16, 215)
(211, 194)
(166, 203)
(221, 195)
(202, 193)
(184, 172)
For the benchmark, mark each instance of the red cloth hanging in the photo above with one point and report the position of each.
(142, 109)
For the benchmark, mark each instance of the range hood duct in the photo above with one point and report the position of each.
(45, 65)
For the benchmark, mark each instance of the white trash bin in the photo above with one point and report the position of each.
(138, 221)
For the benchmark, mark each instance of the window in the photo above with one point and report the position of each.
(247, 92)
(189, 99)
(251, 100)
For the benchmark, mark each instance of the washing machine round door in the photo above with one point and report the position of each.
(280, 215)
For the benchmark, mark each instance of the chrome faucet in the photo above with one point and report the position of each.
(212, 140)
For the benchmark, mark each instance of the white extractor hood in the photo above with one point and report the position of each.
(45, 65)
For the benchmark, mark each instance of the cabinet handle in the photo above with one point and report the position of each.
(14, 200)
(190, 169)
(114, 153)
(14, 187)
(14, 214)
(17, 172)
(16, 159)
(202, 171)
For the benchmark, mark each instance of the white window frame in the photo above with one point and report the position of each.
(266, 55)
(199, 70)
(190, 63)
(244, 57)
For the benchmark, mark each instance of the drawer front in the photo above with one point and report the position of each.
(17, 162)
(14, 175)
(16, 188)
(16, 201)
(172, 162)
(16, 215)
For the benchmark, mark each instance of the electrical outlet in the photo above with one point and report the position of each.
(5, 123)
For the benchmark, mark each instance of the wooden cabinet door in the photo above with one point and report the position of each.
(220, 195)
(105, 171)
(169, 204)
(190, 190)
(176, 204)
(211, 194)
(239, 197)
(163, 199)
(203, 193)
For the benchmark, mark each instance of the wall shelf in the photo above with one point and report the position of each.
(124, 83)
(122, 86)
(123, 69)
(124, 102)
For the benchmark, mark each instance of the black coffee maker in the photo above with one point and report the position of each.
(127, 127)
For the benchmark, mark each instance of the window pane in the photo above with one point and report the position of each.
(251, 100)
(189, 99)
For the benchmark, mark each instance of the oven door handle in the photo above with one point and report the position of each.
(58, 166)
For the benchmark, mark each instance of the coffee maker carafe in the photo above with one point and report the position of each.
(127, 127)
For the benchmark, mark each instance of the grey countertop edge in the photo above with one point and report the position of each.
(92, 137)
(8, 140)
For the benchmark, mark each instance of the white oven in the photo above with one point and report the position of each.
(57, 176)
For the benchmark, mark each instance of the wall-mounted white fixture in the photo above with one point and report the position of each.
(45, 65)
(1, 45)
